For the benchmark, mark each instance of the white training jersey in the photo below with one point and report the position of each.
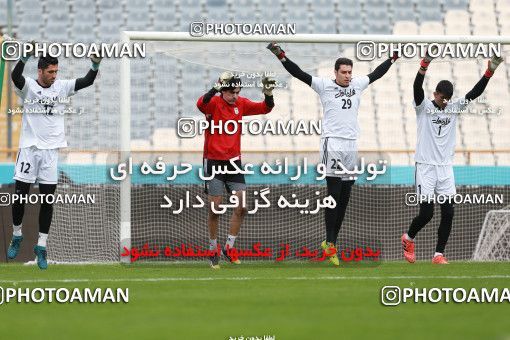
(436, 131)
(43, 113)
(340, 105)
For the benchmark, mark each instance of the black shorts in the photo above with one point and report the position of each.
(229, 182)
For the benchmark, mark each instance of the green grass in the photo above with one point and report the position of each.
(287, 300)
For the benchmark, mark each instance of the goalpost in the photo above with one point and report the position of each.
(369, 203)
(494, 240)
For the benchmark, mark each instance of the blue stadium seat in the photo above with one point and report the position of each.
(29, 31)
(430, 14)
(371, 5)
(354, 12)
(325, 27)
(400, 14)
(217, 14)
(457, 4)
(137, 21)
(216, 3)
(163, 4)
(352, 26)
(3, 17)
(378, 27)
(30, 6)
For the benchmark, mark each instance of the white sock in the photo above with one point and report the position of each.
(16, 230)
(212, 244)
(437, 254)
(42, 240)
(408, 238)
(230, 241)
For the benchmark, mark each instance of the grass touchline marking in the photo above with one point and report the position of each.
(297, 278)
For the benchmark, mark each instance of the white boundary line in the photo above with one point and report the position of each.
(247, 278)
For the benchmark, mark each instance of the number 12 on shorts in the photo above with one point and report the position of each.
(25, 167)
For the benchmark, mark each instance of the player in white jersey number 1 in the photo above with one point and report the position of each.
(436, 122)
(340, 98)
(41, 136)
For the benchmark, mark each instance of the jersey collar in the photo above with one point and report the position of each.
(334, 82)
(44, 87)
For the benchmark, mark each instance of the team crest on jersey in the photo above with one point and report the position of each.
(442, 121)
(346, 93)
(236, 110)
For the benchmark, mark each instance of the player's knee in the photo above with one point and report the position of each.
(426, 212)
(214, 208)
(47, 189)
(22, 188)
(213, 212)
(240, 211)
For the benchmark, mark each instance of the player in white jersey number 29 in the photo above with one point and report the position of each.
(42, 134)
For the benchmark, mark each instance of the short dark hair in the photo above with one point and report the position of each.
(232, 84)
(342, 61)
(44, 62)
(445, 87)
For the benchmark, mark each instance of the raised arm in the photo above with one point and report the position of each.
(478, 89)
(204, 100)
(419, 95)
(17, 74)
(382, 69)
(418, 92)
(89, 78)
(254, 108)
(289, 65)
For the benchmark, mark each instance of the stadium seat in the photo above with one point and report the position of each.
(140, 144)
(407, 14)
(29, 31)
(163, 4)
(503, 9)
(405, 27)
(217, 14)
(480, 6)
(431, 27)
(3, 13)
(485, 28)
(378, 27)
(30, 6)
(430, 13)
(458, 4)
(350, 9)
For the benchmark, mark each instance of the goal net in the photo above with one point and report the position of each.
(494, 240)
(155, 92)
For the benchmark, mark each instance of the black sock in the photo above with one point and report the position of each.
(341, 192)
(334, 188)
(341, 205)
(18, 209)
(445, 226)
(424, 216)
(46, 212)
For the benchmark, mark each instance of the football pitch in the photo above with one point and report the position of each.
(292, 300)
